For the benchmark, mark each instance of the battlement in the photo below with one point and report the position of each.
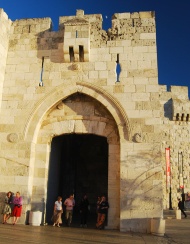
(181, 110)
(179, 92)
(81, 17)
(134, 15)
(35, 25)
(180, 103)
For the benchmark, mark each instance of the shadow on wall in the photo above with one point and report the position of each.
(143, 194)
(36, 206)
(168, 109)
(2, 200)
(49, 42)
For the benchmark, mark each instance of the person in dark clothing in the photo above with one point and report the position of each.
(102, 212)
(97, 206)
(84, 204)
(180, 206)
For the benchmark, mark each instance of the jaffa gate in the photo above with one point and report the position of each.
(81, 111)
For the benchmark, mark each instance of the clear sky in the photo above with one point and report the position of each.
(172, 23)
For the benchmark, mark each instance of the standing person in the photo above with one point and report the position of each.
(58, 210)
(102, 212)
(17, 209)
(84, 211)
(69, 203)
(180, 206)
(97, 206)
(7, 207)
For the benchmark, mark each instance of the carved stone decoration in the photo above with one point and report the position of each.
(76, 66)
(60, 106)
(137, 138)
(79, 88)
(13, 137)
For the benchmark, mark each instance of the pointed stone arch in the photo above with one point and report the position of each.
(35, 118)
(40, 144)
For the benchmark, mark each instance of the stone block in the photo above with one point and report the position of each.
(147, 14)
(100, 66)
(147, 36)
(131, 224)
(116, 50)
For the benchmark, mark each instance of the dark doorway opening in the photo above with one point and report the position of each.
(78, 165)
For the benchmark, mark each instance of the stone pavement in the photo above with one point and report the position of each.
(177, 231)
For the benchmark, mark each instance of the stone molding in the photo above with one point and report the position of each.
(13, 137)
(114, 101)
(61, 92)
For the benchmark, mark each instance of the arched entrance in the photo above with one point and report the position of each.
(78, 165)
(54, 115)
(84, 115)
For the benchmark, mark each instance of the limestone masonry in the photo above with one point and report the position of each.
(82, 79)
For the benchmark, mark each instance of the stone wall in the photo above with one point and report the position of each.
(116, 69)
(5, 25)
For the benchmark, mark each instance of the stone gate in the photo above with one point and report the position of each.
(82, 79)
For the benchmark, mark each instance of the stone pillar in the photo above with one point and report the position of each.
(113, 187)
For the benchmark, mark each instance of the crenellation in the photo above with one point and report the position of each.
(147, 15)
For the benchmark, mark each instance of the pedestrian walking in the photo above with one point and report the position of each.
(69, 203)
(180, 206)
(58, 210)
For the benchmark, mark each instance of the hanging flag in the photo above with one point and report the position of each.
(168, 169)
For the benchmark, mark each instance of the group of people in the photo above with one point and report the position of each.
(58, 210)
(101, 207)
(12, 207)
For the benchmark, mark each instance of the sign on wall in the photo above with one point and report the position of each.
(168, 169)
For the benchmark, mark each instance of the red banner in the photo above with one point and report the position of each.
(168, 170)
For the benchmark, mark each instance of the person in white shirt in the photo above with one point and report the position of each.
(58, 210)
(69, 203)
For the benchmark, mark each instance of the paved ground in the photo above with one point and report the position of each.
(177, 231)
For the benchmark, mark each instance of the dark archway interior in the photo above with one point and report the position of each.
(78, 165)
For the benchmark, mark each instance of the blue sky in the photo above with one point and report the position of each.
(172, 22)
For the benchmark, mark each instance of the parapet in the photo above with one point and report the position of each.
(181, 103)
(35, 25)
(134, 15)
(89, 18)
(78, 34)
